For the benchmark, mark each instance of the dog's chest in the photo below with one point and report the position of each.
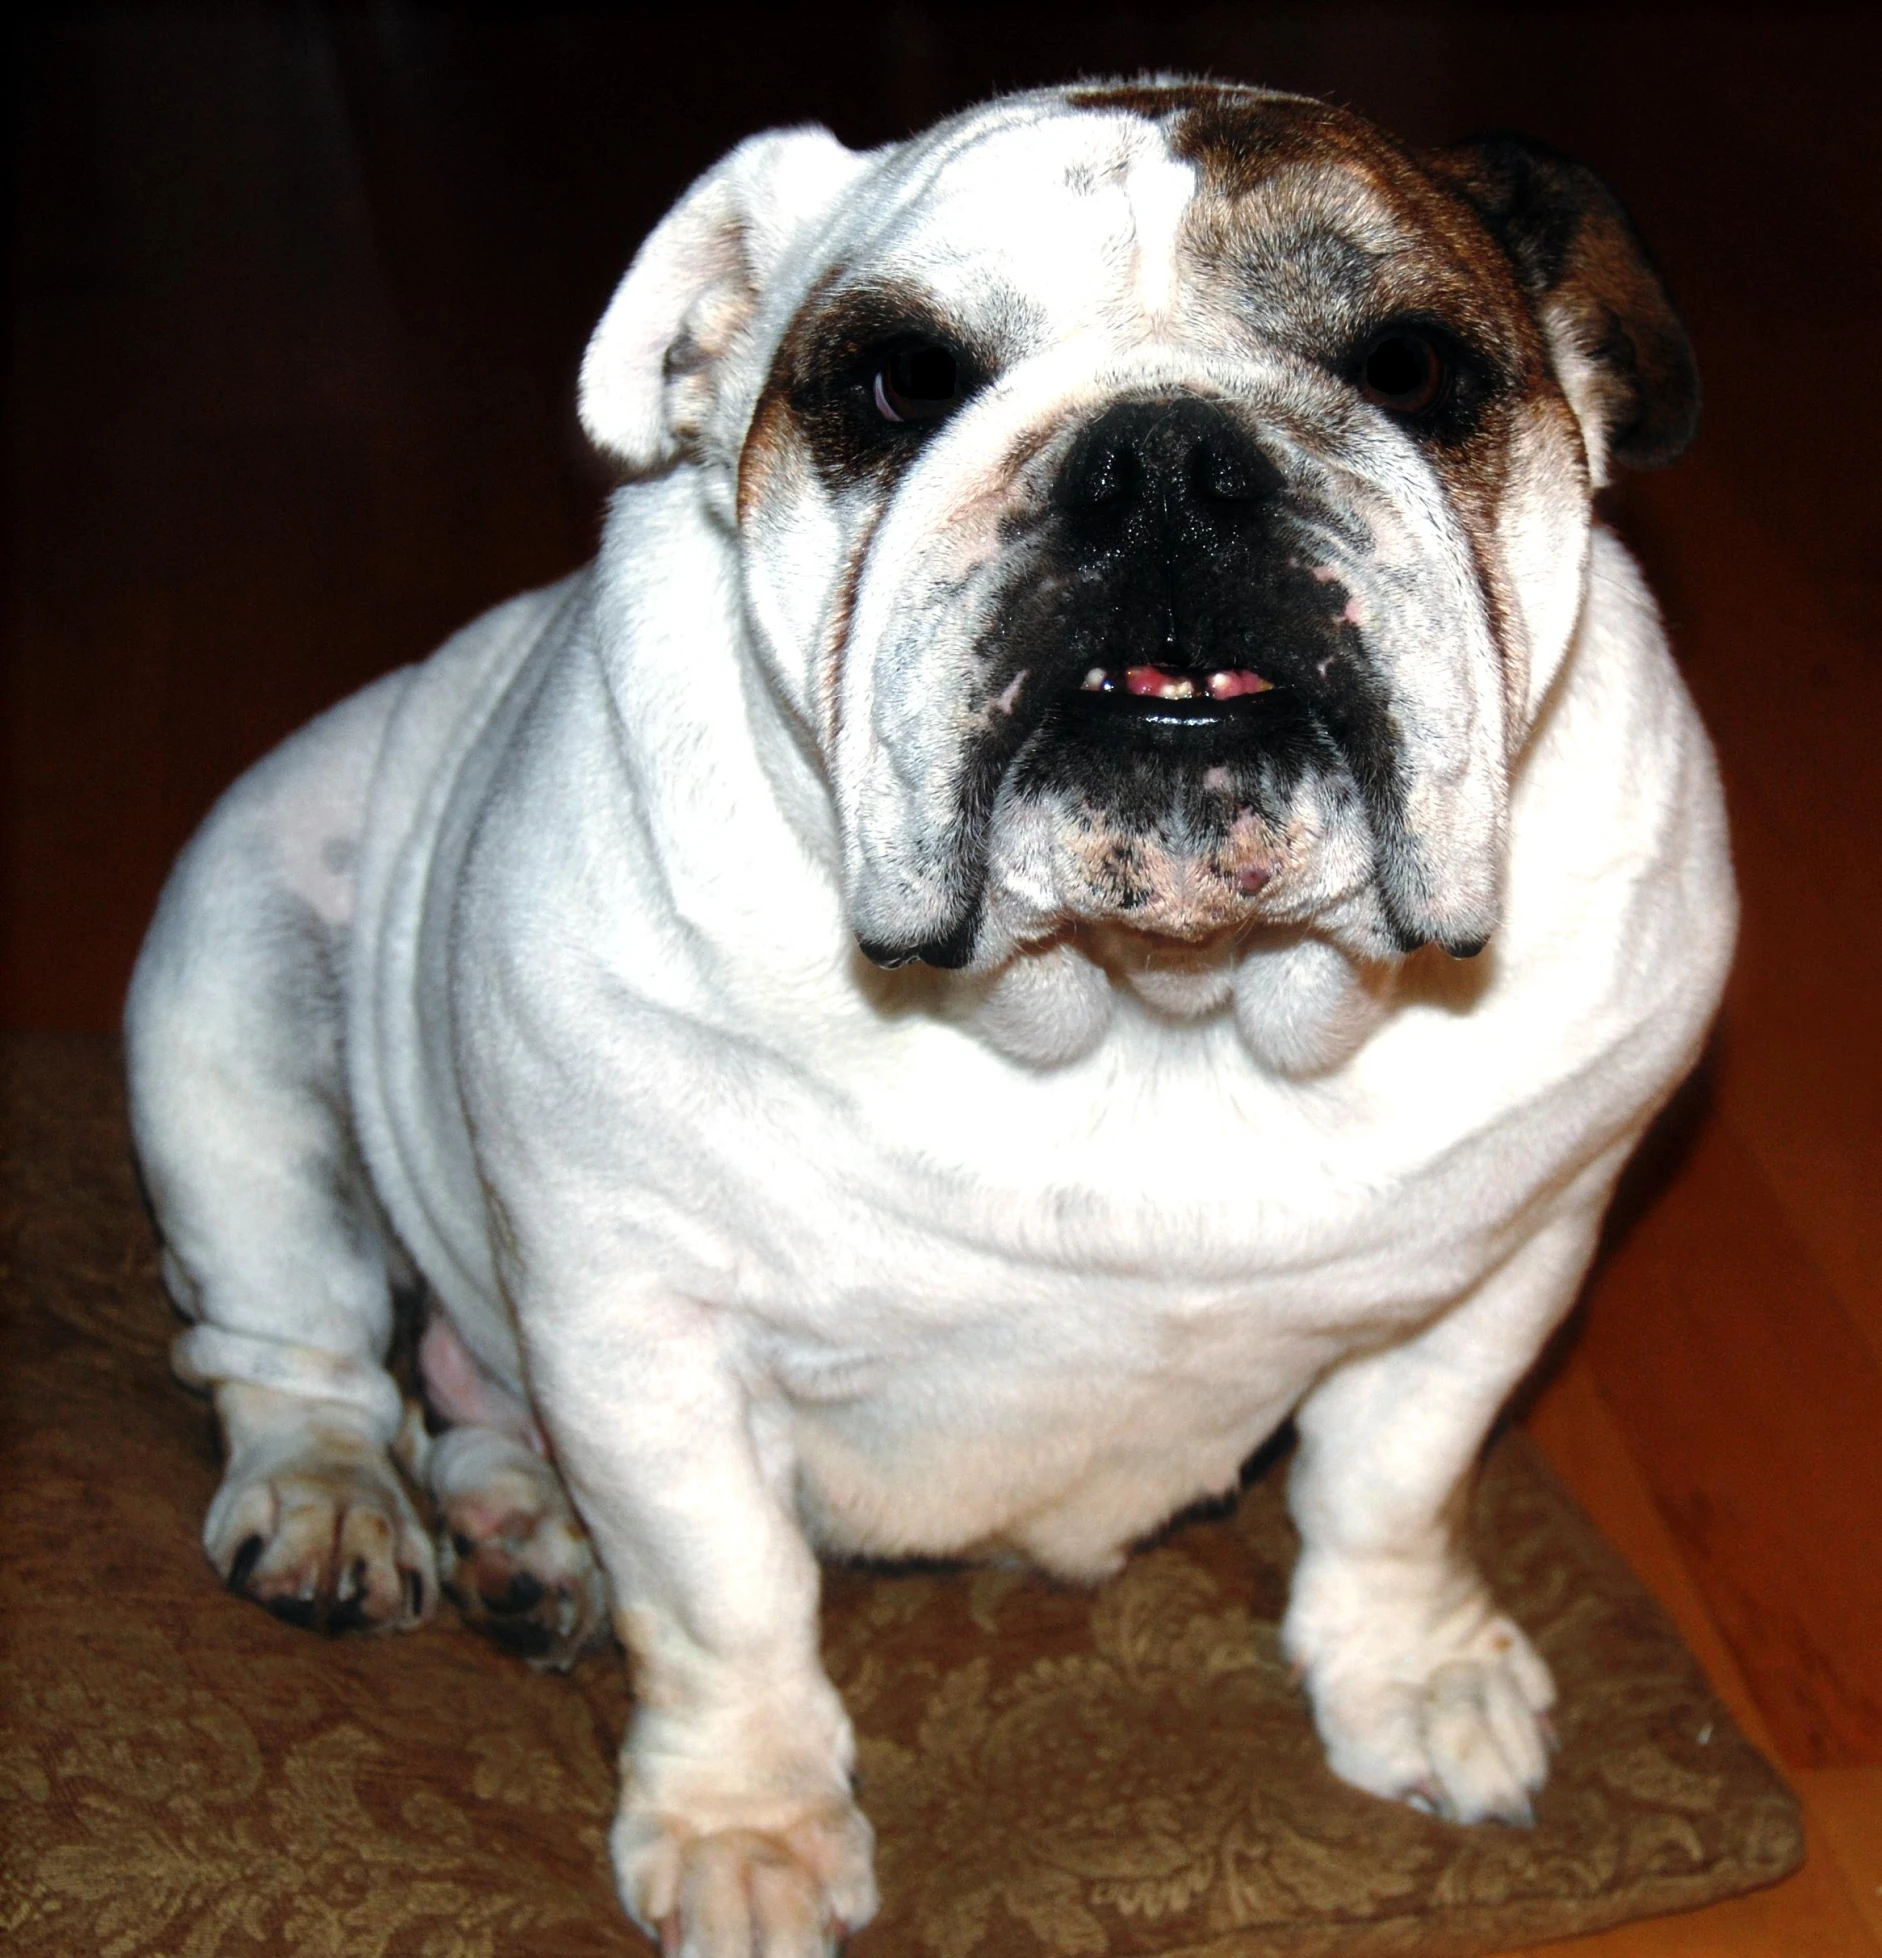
(1053, 1312)
(1167, 1190)
(1054, 1366)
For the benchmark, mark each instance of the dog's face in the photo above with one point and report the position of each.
(1164, 506)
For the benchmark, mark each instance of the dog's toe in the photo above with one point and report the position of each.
(1463, 1735)
(325, 1539)
(793, 1892)
(511, 1553)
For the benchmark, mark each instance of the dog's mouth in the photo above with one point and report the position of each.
(1123, 700)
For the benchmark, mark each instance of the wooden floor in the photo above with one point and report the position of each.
(298, 295)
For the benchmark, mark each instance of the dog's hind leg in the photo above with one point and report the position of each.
(511, 1552)
(273, 1243)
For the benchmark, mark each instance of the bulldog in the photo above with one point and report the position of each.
(1107, 856)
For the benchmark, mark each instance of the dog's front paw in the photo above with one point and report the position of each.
(1446, 1712)
(511, 1552)
(320, 1532)
(794, 1890)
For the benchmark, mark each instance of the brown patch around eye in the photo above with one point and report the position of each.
(849, 348)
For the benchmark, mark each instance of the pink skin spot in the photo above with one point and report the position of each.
(462, 1392)
(1254, 880)
(1325, 574)
(1218, 779)
(1006, 702)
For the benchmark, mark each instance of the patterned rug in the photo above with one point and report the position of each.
(1108, 1774)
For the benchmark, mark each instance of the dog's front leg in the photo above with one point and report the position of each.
(1422, 1689)
(737, 1833)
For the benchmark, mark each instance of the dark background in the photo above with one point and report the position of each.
(297, 296)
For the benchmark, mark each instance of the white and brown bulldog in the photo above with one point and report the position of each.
(913, 1007)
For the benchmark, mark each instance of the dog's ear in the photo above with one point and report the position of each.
(1620, 352)
(649, 378)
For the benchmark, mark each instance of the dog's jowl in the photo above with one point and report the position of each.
(1108, 854)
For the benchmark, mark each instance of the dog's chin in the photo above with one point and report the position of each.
(1159, 804)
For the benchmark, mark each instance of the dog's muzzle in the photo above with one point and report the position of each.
(1177, 648)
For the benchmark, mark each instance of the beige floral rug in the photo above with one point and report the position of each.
(1110, 1774)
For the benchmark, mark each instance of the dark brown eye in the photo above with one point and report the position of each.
(1403, 372)
(917, 384)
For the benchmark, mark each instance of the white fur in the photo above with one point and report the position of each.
(783, 1255)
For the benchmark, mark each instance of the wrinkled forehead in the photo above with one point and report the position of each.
(1069, 211)
(1166, 208)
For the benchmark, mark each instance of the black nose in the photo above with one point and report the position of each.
(1180, 464)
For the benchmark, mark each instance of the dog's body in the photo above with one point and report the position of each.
(537, 964)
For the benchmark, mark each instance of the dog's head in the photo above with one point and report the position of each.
(1165, 505)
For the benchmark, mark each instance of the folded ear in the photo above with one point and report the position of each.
(1620, 352)
(652, 373)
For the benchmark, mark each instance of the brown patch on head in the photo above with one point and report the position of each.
(1539, 240)
(1238, 139)
(1258, 157)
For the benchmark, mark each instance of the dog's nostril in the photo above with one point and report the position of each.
(1105, 475)
(1241, 474)
(1114, 479)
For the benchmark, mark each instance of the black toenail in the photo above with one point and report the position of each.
(522, 1636)
(246, 1558)
(415, 1594)
(524, 1594)
(462, 1544)
(303, 1612)
(347, 1616)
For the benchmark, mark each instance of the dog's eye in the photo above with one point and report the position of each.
(1402, 371)
(917, 384)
